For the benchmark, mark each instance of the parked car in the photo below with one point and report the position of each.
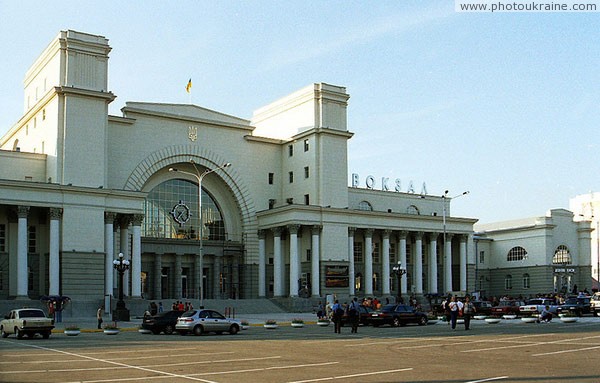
(537, 305)
(483, 307)
(28, 322)
(364, 314)
(162, 322)
(595, 304)
(203, 321)
(507, 308)
(397, 315)
(575, 305)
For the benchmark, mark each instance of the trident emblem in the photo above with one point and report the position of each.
(193, 133)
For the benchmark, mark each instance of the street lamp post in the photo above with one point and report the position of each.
(399, 271)
(121, 313)
(199, 177)
(446, 260)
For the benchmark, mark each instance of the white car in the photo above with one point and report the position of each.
(28, 322)
(202, 321)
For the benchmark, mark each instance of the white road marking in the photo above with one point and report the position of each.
(488, 379)
(13, 362)
(530, 344)
(565, 351)
(351, 376)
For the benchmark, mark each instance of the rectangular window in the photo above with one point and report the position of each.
(306, 145)
(393, 259)
(291, 150)
(31, 240)
(271, 178)
(308, 255)
(291, 175)
(358, 253)
(306, 172)
(481, 256)
(2, 238)
(376, 258)
(306, 199)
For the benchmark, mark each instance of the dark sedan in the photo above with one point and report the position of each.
(364, 315)
(577, 306)
(397, 315)
(162, 322)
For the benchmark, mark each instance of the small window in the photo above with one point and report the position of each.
(365, 205)
(306, 199)
(32, 240)
(508, 282)
(393, 253)
(271, 203)
(376, 257)
(306, 145)
(308, 255)
(481, 256)
(291, 176)
(306, 172)
(271, 178)
(526, 281)
(291, 150)
(358, 254)
(2, 238)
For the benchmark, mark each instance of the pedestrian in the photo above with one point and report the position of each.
(338, 312)
(545, 315)
(455, 307)
(320, 310)
(153, 308)
(99, 317)
(160, 307)
(468, 311)
(353, 315)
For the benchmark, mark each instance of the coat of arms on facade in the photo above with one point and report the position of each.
(193, 133)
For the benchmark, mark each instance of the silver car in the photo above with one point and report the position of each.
(201, 321)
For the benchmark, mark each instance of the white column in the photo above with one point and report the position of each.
(109, 244)
(385, 268)
(54, 261)
(433, 275)
(418, 266)
(294, 271)
(315, 274)
(23, 212)
(277, 263)
(402, 251)
(351, 271)
(124, 221)
(262, 265)
(463, 263)
(136, 257)
(369, 262)
(448, 264)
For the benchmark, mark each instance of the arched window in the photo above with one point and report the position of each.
(508, 282)
(562, 256)
(517, 253)
(364, 205)
(171, 211)
(526, 281)
(412, 209)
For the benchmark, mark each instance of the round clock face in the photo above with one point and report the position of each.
(181, 213)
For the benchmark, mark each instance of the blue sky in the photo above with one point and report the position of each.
(505, 105)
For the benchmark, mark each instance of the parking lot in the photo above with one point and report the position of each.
(511, 351)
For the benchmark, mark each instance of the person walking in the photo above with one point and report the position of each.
(468, 311)
(353, 315)
(455, 307)
(337, 314)
(99, 317)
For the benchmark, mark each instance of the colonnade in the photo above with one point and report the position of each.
(418, 239)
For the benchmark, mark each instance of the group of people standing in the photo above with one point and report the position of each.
(336, 312)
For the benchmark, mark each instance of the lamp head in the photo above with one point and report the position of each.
(120, 255)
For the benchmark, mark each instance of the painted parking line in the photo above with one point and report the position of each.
(529, 344)
(488, 379)
(350, 376)
(566, 351)
(161, 356)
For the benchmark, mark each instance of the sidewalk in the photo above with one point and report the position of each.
(90, 324)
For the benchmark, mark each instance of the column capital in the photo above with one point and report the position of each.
(277, 231)
(419, 235)
(433, 235)
(463, 237)
(22, 211)
(315, 229)
(262, 234)
(137, 219)
(123, 220)
(293, 228)
(55, 213)
(109, 217)
(449, 236)
(369, 232)
(351, 231)
(402, 234)
(386, 233)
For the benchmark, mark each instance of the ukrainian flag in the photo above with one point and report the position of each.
(188, 87)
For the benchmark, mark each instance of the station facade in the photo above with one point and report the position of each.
(80, 186)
